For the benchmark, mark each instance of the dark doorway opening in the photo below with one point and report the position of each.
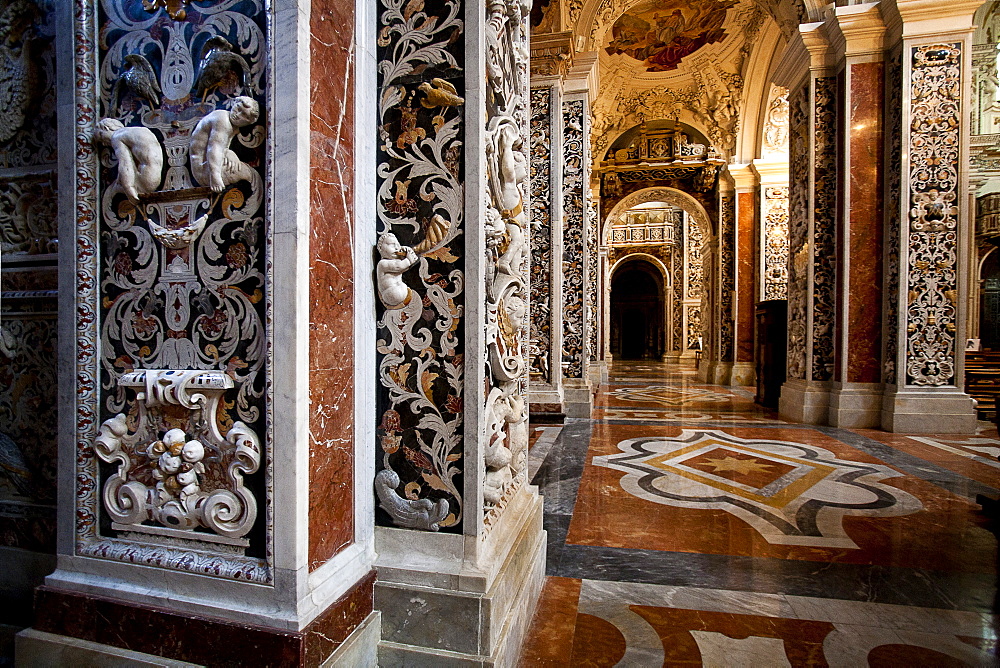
(637, 308)
(989, 314)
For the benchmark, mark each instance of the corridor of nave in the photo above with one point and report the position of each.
(689, 526)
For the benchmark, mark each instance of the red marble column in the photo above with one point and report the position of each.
(746, 224)
(856, 398)
(331, 294)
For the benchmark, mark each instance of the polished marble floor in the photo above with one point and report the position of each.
(689, 526)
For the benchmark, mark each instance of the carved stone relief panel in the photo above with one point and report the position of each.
(798, 231)
(507, 254)
(27, 87)
(695, 241)
(775, 139)
(541, 234)
(727, 277)
(593, 225)
(824, 240)
(28, 224)
(677, 266)
(421, 273)
(932, 190)
(574, 247)
(171, 139)
(893, 198)
(775, 243)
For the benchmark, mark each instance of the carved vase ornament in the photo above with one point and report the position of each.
(175, 140)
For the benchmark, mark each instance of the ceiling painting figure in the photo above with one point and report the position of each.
(661, 34)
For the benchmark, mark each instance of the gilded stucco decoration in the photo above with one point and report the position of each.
(421, 267)
(541, 234)
(677, 266)
(932, 183)
(775, 277)
(172, 262)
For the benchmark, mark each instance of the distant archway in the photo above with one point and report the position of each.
(638, 310)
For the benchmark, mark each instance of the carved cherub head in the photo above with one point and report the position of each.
(243, 111)
(193, 452)
(174, 440)
(388, 247)
(105, 128)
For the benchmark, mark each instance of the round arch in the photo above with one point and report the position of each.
(640, 320)
(671, 196)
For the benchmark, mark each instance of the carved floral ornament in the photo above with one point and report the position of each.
(671, 196)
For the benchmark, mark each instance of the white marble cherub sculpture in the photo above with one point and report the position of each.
(167, 453)
(213, 163)
(396, 259)
(140, 158)
(192, 466)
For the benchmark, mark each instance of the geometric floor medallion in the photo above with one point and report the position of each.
(791, 493)
(668, 395)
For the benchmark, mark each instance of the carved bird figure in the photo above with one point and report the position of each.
(13, 467)
(140, 78)
(217, 60)
(19, 76)
(439, 93)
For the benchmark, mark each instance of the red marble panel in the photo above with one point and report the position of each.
(549, 641)
(200, 639)
(746, 224)
(863, 241)
(331, 273)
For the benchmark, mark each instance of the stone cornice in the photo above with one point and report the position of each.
(858, 30)
(928, 18)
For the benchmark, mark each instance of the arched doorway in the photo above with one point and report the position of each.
(638, 326)
(989, 314)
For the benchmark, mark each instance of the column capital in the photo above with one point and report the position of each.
(930, 18)
(583, 75)
(771, 172)
(551, 56)
(744, 177)
(858, 30)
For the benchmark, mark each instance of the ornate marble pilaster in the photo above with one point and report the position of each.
(856, 396)
(546, 164)
(811, 233)
(577, 231)
(206, 152)
(459, 535)
(725, 289)
(928, 219)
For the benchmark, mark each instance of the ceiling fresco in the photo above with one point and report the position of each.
(660, 33)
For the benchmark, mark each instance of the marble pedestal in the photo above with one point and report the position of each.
(743, 374)
(928, 411)
(721, 373)
(579, 396)
(856, 405)
(441, 608)
(805, 401)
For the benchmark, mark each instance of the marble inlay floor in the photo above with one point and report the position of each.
(689, 526)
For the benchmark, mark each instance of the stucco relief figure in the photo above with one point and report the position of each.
(213, 164)
(140, 158)
(512, 168)
(396, 259)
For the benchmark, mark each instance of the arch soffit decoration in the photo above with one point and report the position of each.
(671, 196)
(982, 262)
(651, 259)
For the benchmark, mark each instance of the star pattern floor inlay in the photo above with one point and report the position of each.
(688, 526)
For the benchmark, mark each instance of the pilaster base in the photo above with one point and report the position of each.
(743, 374)
(928, 411)
(545, 402)
(722, 373)
(805, 401)
(706, 371)
(856, 405)
(598, 372)
(73, 628)
(579, 397)
(438, 612)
